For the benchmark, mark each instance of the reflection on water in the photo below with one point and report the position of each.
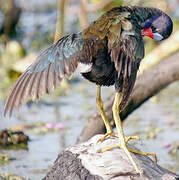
(156, 114)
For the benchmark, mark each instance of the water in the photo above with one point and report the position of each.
(73, 111)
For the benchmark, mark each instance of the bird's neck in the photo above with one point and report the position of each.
(143, 14)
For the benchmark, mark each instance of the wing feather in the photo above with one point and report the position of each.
(125, 67)
(32, 82)
(119, 64)
(9, 100)
(55, 63)
(13, 100)
(23, 90)
(126, 51)
(39, 85)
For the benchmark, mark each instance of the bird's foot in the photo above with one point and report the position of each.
(144, 153)
(123, 145)
(139, 152)
(112, 134)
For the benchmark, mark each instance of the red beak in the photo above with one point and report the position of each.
(148, 32)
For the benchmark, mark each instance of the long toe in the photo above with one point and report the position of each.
(111, 134)
(144, 153)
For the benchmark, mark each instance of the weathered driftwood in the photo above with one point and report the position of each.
(85, 162)
(147, 85)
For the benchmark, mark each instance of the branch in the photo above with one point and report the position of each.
(90, 7)
(83, 14)
(60, 20)
(158, 77)
(11, 17)
(83, 161)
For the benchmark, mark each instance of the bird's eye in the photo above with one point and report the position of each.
(153, 29)
(157, 36)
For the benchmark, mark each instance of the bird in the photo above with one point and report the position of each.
(108, 52)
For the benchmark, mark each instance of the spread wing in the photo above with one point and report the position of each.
(56, 62)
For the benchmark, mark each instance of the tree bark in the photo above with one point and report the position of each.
(147, 85)
(84, 161)
(11, 14)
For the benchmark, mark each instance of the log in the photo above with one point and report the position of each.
(147, 85)
(161, 52)
(85, 162)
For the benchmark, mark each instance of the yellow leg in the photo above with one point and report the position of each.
(99, 104)
(122, 139)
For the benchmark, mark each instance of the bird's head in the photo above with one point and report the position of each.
(157, 27)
